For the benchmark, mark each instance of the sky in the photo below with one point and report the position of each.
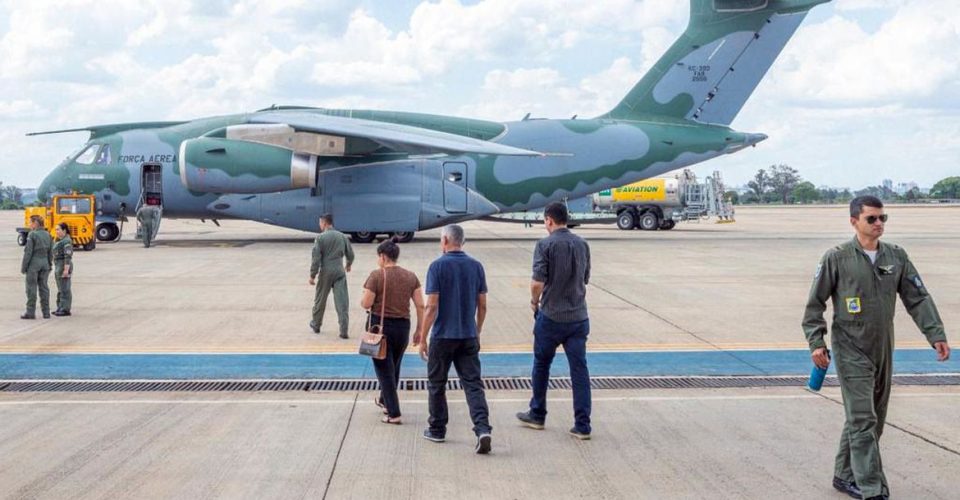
(866, 90)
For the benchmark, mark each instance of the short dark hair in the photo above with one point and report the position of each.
(556, 211)
(328, 218)
(857, 204)
(389, 249)
(64, 226)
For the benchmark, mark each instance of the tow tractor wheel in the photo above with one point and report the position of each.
(625, 220)
(403, 236)
(363, 237)
(90, 245)
(107, 231)
(649, 221)
(22, 239)
(668, 224)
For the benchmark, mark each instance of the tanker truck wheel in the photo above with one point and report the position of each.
(649, 221)
(626, 221)
(668, 224)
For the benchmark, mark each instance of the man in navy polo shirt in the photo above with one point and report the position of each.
(456, 307)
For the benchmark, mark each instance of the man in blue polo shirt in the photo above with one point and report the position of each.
(456, 307)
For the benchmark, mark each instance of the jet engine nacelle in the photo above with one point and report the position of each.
(216, 165)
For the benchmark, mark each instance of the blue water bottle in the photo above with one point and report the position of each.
(817, 375)
(816, 378)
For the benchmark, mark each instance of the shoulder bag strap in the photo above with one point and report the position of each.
(383, 301)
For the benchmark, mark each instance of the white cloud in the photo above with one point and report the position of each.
(911, 57)
(841, 84)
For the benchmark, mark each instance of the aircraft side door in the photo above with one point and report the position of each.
(455, 187)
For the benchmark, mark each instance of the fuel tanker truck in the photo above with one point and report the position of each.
(651, 204)
(660, 203)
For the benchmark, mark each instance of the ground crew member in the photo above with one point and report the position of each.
(862, 279)
(37, 257)
(328, 272)
(148, 216)
(63, 269)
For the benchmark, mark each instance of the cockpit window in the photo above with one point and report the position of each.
(73, 206)
(88, 155)
(103, 157)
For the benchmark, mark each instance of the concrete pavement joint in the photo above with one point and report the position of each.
(343, 439)
(902, 429)
(678, 327)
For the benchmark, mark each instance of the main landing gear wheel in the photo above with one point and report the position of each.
(363, 237)
(668, 224)
(403, 236)
(649, 221)
(625, 220)
(107, 231)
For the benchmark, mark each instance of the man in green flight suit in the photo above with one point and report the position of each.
(63, 269)
(37, 257)
(862, 278)
(327, 271)
(148, 216)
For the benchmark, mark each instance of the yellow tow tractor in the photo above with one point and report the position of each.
(77, 210)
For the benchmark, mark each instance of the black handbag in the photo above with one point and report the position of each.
(372, 341)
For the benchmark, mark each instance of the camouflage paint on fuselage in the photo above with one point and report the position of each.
(676, 115)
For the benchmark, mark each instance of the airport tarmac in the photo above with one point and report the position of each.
(242, 287)
(660, 302)
(742, 443)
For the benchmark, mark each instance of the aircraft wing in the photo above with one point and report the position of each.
(398, 137)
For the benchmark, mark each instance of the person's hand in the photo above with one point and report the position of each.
(534, 306)
(416, 338)
(821, 357)
(65, 275)
(312, 281)
(424, 351)
(943, 350)
(347, 269)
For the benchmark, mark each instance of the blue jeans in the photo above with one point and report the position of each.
(547, 336)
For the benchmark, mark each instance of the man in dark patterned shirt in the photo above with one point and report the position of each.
(561, 272)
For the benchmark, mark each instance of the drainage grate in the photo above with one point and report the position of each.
(497, 384)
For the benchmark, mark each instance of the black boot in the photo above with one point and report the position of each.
(28, 316)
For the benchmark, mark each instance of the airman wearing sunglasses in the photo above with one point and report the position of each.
(862, 279)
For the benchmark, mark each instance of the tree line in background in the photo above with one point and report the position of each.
(783, 184)
(778, 184)
(11, 197)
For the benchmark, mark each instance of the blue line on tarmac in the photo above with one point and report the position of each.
(313, 366)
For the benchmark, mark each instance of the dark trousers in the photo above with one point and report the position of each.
(397, 332)
(465, 356)
(547, 336)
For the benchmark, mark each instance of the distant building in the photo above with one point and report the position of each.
(888, 184)
(905, 187)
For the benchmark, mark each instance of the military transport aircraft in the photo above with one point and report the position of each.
(395, 172)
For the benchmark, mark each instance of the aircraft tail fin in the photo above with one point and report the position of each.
(711, 70)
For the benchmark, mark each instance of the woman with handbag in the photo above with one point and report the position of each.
(387, 294)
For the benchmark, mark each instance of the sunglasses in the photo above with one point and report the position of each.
(873, 218)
